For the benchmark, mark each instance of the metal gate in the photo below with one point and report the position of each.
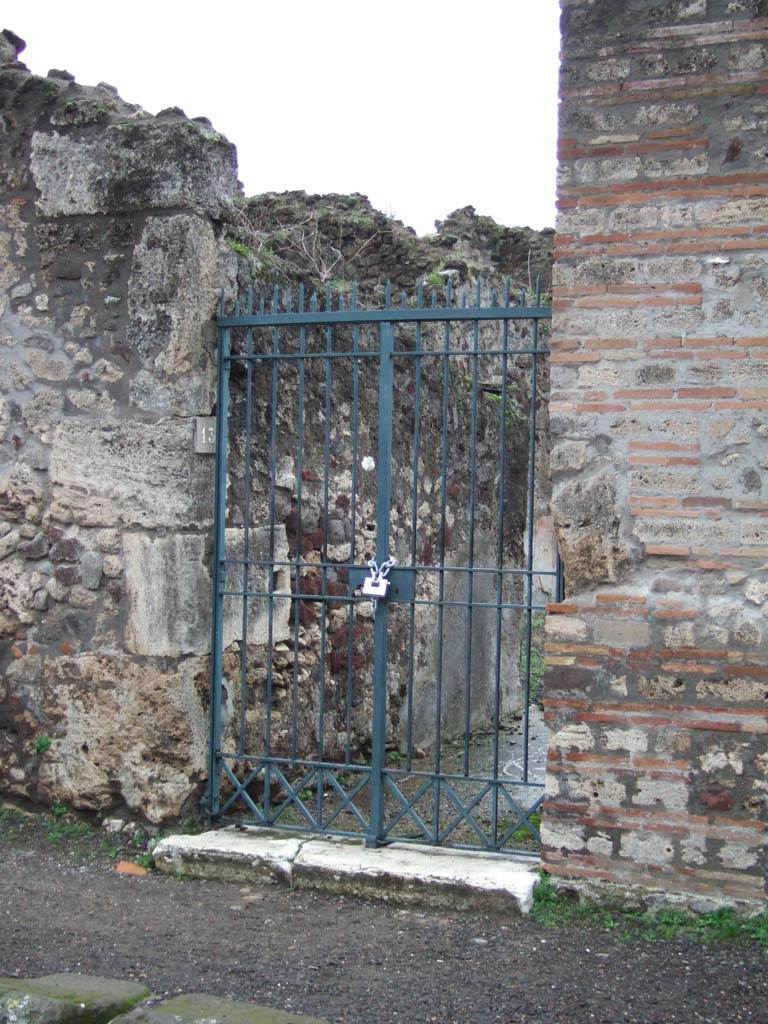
(378, 600)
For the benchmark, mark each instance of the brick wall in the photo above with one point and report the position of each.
(657, 662)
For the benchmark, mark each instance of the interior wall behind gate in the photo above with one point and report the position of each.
(657, 661)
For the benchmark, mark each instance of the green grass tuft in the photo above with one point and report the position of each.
(146, 860)
(240, 248)
(523, 833)
(551, 909)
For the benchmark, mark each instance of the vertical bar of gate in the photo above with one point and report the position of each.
(414, 532)
(271, 568)
(246, 575)
(531, 512)
(327, 412)
(501, 516)
(296, 605)
(381, 622)
(471, 548)
(438, 763)
(220, 515)
(353, 528)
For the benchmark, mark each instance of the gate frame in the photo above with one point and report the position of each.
(386, 319)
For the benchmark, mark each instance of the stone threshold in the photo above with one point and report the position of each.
(399, 873)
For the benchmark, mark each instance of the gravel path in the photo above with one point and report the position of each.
(355, 962)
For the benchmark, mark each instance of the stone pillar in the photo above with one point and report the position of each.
(657, 662)
(110, 264)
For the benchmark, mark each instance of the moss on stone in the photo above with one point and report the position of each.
(65, 998)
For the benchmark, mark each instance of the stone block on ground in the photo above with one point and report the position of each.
(230, 855)
(196, 1009)
(407, 874)
(65, 998)
(400, 873)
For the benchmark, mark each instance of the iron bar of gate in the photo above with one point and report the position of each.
(394, 314)
(299, 478)
(327, 409)
(534, 396)
(246, 521)
(427, 602)
(217, 645)
(419, 568)
(353, 526)
(375, 354)
(381, 618)
(275, 333)
(500, 559)
(441, 577)
(471, 549)
(354, 767)
(414, 527)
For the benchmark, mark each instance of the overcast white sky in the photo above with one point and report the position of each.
(424, 106)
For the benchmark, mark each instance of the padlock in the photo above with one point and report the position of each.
(375, 589)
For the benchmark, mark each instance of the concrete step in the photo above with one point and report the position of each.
(400, 873)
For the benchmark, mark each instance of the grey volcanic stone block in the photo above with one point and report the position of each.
(113, 472)
(169, 588)
(400, 873)
(65, 998)
(134, 165)
(196, 1009)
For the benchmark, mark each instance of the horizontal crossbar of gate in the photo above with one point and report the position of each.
(396, 314)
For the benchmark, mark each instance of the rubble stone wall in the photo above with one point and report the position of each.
(657, 662)
(111, 259)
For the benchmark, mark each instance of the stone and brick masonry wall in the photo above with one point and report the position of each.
(657, 661)
(111, 259)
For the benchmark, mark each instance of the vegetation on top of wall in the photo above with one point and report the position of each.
(332, 240)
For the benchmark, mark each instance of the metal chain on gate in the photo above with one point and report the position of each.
(376, 585)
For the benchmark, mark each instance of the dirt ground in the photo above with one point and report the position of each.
(63, 907)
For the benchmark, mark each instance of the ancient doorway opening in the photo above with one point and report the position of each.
(382, 567)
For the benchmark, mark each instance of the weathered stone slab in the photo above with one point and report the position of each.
(131, 474)
(204, 1009)
(65, 998)
(172, 295)
(132, 166)
(399, 873)
(257, 580)
(402, 873)
(230, 855)
(170, 591)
